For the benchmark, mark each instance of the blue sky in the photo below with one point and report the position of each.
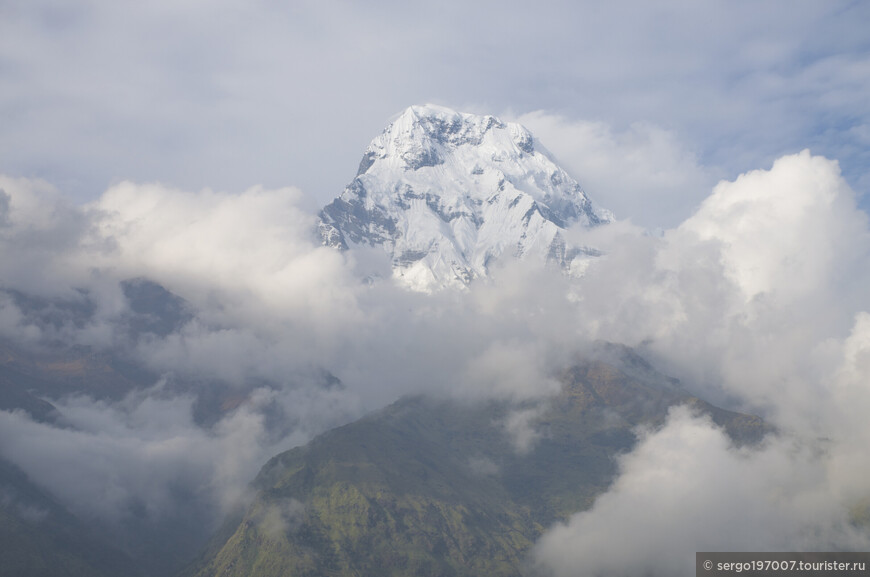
(230, 94)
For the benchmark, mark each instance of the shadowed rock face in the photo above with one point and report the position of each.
(429, 487)
(154, 309)
(351, 221)
(39, 538)
(55, 368)
(462, 190)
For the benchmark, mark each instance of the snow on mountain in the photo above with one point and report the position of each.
(445, 193)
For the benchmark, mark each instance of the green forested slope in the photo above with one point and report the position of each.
(428, 487)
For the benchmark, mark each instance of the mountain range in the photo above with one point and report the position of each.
(429, 485)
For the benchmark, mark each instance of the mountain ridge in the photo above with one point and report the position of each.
(436, 487)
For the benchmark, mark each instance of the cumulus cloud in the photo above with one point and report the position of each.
(253, 251)
(684, 489)
(743, 298)
(40, 229)
(247, 264)
(786, 230)
(754, 301)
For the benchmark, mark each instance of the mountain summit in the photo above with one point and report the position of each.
(445, 193)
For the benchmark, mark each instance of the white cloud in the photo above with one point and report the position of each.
(144, 461)
(756, 300)
(785, 230)
(519, 424)
(258, 247)
(510, 370)
(40, 229)
(281, 517)
(685, 489)
(742, 299)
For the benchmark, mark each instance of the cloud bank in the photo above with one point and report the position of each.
(684, 489)
(756, 301)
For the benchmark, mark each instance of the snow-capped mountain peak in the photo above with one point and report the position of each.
(445, 192)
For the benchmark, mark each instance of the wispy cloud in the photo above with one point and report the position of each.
(233, 94)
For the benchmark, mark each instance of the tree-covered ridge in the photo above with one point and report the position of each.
(437, 487)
